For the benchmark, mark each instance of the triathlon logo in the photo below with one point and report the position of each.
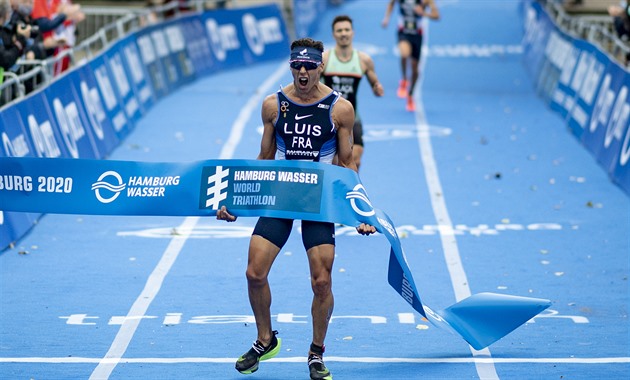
(217, 186)
(114, 188)
(359, 192)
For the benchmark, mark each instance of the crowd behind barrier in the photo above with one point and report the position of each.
(586, 86)
(118, 73)
(597, 29)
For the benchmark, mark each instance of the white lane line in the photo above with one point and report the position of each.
(128, 328)
(458, 360)
(459, 280)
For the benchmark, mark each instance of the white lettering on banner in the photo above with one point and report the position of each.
(122, 83)
(45, 184)
(589, 86)
(247, 187)
(557, 49)
(120, 77)
(258, 33)
(16, 183)
(625, 149)
(175, 39)
(619, 117)
(94, 108)
(17, 147)
(43, 138)
(585, 61)
(119, 121)
(298, 177)
(254, 200)
(568, 66)
(601, 110)
(146, 49)
(252, 34)
(173, 318)
(254, 175)
(69, 124)
(133, 62)
(160, 43)
(222, 38)
(579, 115)
(102, 78)
(534, 30)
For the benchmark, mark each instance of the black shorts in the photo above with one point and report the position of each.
(415, 40)
(278, 230)
(357, 132)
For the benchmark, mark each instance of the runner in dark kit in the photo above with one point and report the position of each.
(306, 120)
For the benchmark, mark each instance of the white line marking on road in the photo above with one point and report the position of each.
(459, 280)
(127, 330)
(341, 359)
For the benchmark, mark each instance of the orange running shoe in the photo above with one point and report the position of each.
(402, 88)
(411, 106)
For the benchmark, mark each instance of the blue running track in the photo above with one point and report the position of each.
(489, 191)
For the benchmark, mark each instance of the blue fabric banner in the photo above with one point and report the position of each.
(283, 189)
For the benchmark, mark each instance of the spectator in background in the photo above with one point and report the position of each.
(621, 19)
(39, 47)
(63, 36)
(13, 42)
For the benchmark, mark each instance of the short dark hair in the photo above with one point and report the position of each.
(308, 42)
(341, 18)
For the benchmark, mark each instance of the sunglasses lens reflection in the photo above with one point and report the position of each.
(297, 65)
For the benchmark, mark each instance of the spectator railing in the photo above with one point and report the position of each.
(595, 29)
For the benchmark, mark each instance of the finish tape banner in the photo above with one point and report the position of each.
(282, 189)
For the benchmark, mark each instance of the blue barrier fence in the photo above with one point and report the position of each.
(585, 86)
(87, 112)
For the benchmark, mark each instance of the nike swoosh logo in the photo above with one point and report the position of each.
(298, 117)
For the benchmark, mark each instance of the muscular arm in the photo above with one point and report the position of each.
(269, 114)
(388, 13)
(370, 74)
(343, 117)
(433, 13)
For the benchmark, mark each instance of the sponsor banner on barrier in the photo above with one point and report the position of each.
(101, 120)
(244, 36)
(15, 143)
(306, 16)
(41, 128)
(87, 112)
(71, 121)
(562, 58)
(585, 86)
(99, 75)
(176, 43)
(128, 62)
(605, 133)
(123, 90)
(153, 65)
(590, 68)
(197, 45)
(538, 27)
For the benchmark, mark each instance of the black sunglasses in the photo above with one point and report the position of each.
(308, 65)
